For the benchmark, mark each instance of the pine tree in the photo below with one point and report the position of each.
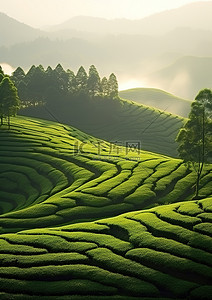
(36, 83)
(62, 79)
(81, 80)
(112, 86)
(72, 82)
(104, 87)
(18, 75)
(94, 82)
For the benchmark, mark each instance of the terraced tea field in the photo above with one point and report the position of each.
(117, 121)
(159, 99)
(165, 252)
(82, 219)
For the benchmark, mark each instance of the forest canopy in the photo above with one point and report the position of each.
(44, 85)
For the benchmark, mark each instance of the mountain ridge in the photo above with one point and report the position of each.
(16, 31)
(175, 17)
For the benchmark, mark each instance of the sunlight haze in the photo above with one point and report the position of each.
(40, 13)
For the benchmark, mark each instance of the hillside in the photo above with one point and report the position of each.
(54, 175)
(162, 253)
(13, 32)
(158, 99)
(116, 120)
(186, 76)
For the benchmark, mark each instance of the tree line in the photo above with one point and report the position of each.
(39, 84)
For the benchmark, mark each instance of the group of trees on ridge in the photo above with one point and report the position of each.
(48, 85)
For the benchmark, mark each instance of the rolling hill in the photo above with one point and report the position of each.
(55, 177)
(116, 120)
(53, 174)
(158, 99)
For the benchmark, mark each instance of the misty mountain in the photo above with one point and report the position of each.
(131, 56)
(185, 77)
(13, 32)
(97, 25)
(159, 23)
(104, 52)
(131, 49)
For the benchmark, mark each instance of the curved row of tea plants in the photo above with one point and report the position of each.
(164, 252)
(52, 174)
(116, 120)
(159, 99)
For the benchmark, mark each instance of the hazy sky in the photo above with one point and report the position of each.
(39, 13)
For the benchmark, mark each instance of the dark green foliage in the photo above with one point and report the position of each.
(93, 82)
(195, 138)
(81, 80)
(202, 293)
(39, 85)
(113, 86)
(9, 100)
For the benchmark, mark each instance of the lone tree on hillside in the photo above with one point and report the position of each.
(9, 100)
(195, 138)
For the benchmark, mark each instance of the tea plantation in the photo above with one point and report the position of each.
(116, 120)
(159, 99)
(85, 219)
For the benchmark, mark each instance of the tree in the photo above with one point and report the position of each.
(81, 80)
(94, 82)
(113, 86)
(72, 83)
(195, 138)
(1, 71)
(17, 76)
(62, 79)
(36, 84)
(9, 100)
(104, 87)
(1, 77)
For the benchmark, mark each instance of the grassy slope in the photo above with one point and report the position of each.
(117, 120)
(158, 99)
(165, 251)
